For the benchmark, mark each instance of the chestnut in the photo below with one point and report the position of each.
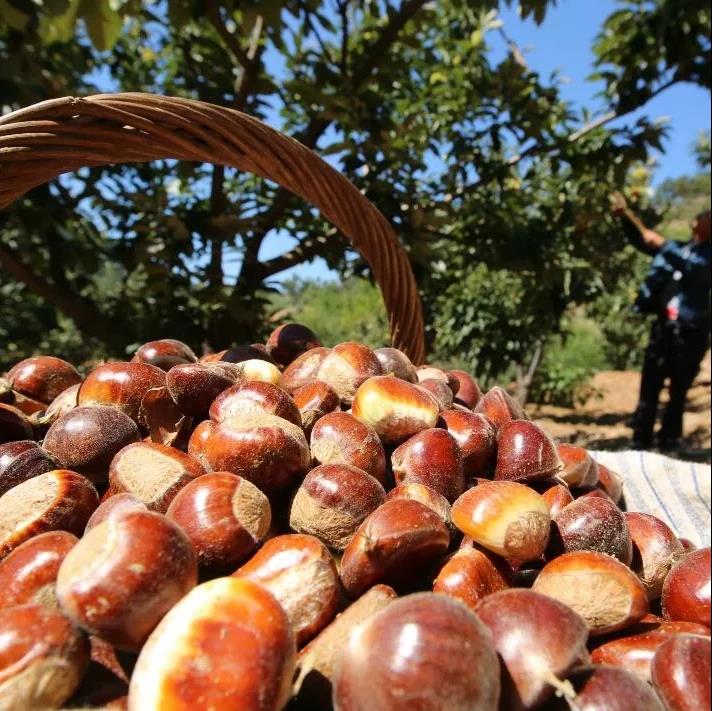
(426, 496)
(432, 653)
(539, 640)
(346, 366)
(194, 386)
(395, 362)
(468, 392)
(611, 482)
(164, 353)
(240, 354)
(687, 545)
(115, 505)
(226, 645)
(556, 494)
(301, 574)
(28, 574)
(22, 460)
(63, 403)
(289, 341)
(439, 390)
(525, 453)
(152, 472)
(86, 439)
(594, 688)
(579, 467)
(431, 457)
(254, 398)
(505, 517)
(224, 516)
(162, 419)
(14, 424)
(121, 385)
(43, 378)
(607, 594)
(303, 369)
(477, 439)
(59, 500)
(655, 550)
(471, 574)
(686, 590)
(499, 407)
(339, 438)
(680, 672)
(592, 524)
(124, 575)
(316, 663)
(267, 450)
(394, 408)
(392, 546)
(43, 658)
(332, 501)
(313, 402)
(259, 369)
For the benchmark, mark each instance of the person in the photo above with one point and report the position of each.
(677, 291)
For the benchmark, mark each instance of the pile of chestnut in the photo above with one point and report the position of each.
(290, 526)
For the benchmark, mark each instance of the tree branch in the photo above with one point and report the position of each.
(307, 249)
(233, 44)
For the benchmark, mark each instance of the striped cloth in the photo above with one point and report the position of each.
(675, 491)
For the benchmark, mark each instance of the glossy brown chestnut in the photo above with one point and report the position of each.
(289, 341)
(115, 505)
(499, 407)
(227, 645)
(316, 663)
(431, 457)
(557, 495)
(394, 408)
(87, 438)
(655, 550)
(194, 386)
(314, 401)
(14, 424)
(471, 574)
(439, 390)
(240, 354)
(505, 517)
(580, 469)
(339, 438)
(224, 516)
(468, 391)
(606, 593)
(433, 654)
(63, 403)
(121, 385)
(426, 496)
(301, 574)
(43, 658)
(591, 524)
(124, 575)
(43, 378)
(680, 672)
(152, 472)
(687, 545)
(595, 688)
(164, 353)
(267, 450)
(477, 439)
(303, 369)
(393, 545)
(525, 453)
(332, 501)
(254, 398)
(59, 500)
(432, 372)
(22, 460)
(686, 590)
(395, 362)
(611, 482)
(28, 574)
(346, 366)
(635, 652)
(162, 419)
(539, 640)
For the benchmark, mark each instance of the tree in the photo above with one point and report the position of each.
(472, 161)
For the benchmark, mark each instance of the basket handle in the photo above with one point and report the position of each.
(40, 142)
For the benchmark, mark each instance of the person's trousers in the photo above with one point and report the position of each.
(673, 352)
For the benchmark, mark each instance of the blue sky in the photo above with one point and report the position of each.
(563, 43)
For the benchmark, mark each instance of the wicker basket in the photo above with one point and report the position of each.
(42, 141)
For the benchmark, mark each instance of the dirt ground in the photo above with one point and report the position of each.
(602, 421)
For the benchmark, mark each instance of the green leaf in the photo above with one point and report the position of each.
(59, 28)
(14, 17)
(102, 21)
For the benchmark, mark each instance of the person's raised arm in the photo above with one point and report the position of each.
(638, 234)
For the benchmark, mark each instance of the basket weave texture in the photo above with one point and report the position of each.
(40, 142)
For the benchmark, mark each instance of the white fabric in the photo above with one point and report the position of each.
(675, 491)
